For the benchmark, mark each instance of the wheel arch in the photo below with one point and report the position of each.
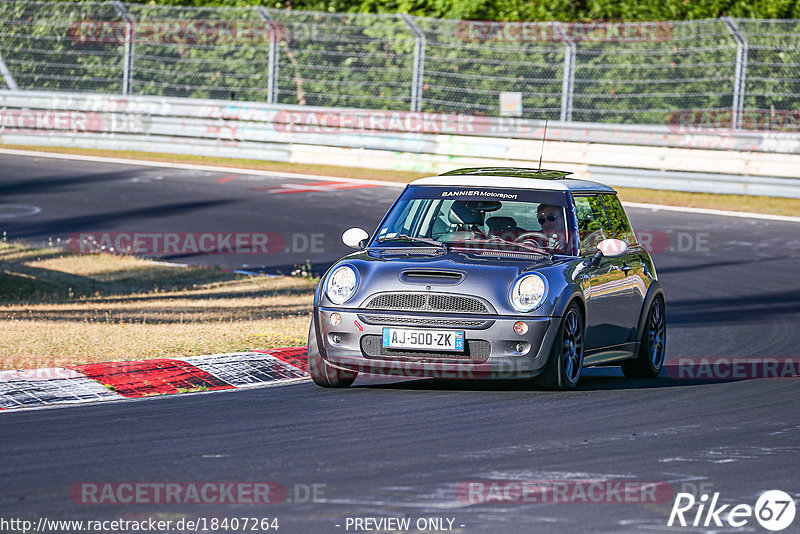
(315, 328)
(655, 290)
(570, 294)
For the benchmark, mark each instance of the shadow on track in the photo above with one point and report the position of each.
(105, 221)
(56, 183)
(734, 309)
(589, 382)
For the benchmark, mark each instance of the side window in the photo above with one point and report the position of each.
(592, 223)
(619, 221)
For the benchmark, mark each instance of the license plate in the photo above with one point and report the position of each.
(409, 338)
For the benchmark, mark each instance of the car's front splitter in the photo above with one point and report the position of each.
(497, 350)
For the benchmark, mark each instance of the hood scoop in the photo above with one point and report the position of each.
(431, 276)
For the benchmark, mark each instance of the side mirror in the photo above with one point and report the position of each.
(355, 238)
(610, 248)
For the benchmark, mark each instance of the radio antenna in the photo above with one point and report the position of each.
(544, 136)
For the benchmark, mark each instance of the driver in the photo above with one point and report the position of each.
(551, 219)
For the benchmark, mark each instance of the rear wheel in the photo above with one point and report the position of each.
(650, 360)
(322, 373)
(564, 368)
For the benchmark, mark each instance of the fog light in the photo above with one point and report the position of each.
(520, 347)
(520, 328)
(336, 319)
(336, 338)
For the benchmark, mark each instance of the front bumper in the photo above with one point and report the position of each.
(492, 348)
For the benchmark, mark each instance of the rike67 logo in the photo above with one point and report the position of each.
(774, 510)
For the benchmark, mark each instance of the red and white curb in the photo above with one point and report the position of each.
(107, 381)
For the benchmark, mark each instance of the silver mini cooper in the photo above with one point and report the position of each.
(491, 273)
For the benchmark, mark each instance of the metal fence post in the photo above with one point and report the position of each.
(568, 81)
(419, 62)
(272, 68)
(10, 81)
(741, 71)
(127, 54)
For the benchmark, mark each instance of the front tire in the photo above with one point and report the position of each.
(650, 360)
(322, 373)
(564, 368)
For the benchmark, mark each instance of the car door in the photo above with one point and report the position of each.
(605, 288)
(632, 264)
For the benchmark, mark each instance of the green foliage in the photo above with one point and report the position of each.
(526, 10)
(352, 59)
(541, 10)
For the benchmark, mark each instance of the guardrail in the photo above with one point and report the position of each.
(657, 157)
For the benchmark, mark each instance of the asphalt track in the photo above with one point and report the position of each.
(391, 447)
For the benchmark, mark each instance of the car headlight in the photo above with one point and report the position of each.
(341, 284)
(528, 292)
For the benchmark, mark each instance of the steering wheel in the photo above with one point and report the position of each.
(539, 237)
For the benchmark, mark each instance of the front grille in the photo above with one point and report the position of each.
(391, 319)
(427, 302)
(475, 351)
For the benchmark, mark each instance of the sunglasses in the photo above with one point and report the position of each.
(551, 217)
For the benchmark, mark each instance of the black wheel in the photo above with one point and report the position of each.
(654, 343)
(322, 373)
(564, 368)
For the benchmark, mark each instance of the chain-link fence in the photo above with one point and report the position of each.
(629, 73)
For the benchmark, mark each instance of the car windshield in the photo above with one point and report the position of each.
(488, 219)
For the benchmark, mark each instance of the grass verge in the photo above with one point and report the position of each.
(746, 203)
(58, 308)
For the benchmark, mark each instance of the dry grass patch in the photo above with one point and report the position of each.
(57, 308)
(752, 204)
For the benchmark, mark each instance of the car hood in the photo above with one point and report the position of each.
(484, 275)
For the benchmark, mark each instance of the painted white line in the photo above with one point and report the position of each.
(251, 172)
(198, 167)
(168, 264)
(722, 213)
(9, 211)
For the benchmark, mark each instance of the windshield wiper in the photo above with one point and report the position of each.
(412, 239)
